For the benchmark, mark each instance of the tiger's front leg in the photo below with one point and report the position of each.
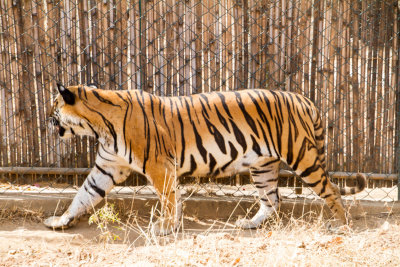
(98, 183)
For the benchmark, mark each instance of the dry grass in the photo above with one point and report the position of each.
(17, 214)
(281, 242)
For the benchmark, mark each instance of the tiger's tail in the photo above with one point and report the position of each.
(320, 142)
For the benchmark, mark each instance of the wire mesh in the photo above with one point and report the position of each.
(343, 55)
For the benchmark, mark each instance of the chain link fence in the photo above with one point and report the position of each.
(344, 55)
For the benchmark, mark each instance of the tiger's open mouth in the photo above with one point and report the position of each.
(56, 124)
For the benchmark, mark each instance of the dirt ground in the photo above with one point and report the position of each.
(372, 241)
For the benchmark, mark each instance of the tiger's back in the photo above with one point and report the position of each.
(218, 134)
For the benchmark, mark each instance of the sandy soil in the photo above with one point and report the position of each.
(372, 241)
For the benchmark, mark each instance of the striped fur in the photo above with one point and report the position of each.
(214, 134)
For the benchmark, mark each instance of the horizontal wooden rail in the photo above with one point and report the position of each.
(85, 171)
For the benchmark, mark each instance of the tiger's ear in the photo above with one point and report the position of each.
(66, 94)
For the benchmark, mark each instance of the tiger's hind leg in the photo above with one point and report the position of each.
(313, 173)
(165, 184)
(265, 177)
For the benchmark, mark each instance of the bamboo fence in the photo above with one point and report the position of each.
(342, 54)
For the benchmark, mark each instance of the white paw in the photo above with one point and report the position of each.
(161, 228)
(58, 222)
(246, 224)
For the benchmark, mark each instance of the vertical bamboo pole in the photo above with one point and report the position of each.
(187, 18)
(379, 87)
(122, 26)
(339, 107)
(170, 39)
(198, 46)
(113, 67)
(357, 141)
(7, 137)
(213, 43)
(364, 158)
(331, 58)
(289, 55)
(320, 56)
(301, 47)
(207, 38)
(314, 49)
(265, 43)
(133, 34)
(347, 144)
(180, 44)
(395, 77)
(228, 41)
(51, 37)
(25, 25)
(307, 48)
(4, 53)
(245, 44)
(238, 45)
(158, 48)
(395, 111)
(373, 86)
(37, 17)
(252, 44)
(101, 45)
(282, 44)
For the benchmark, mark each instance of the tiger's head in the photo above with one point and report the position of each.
(67, 114)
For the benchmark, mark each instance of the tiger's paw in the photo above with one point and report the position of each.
(163, 227)
(246, 224)
(59, 222)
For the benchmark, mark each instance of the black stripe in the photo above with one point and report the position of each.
(146, 127)
(91, 127)
(311, 169)
(212, 164)
(203, 108)
(97, 189)
(234, 154)
(247, 116)
(222, 97)
(265, 138)
(267, 102)
(270, 162)
(205, 99)
(289, 158)
(260, 171)
(98, 153)
(105, 173)
(219, 139)
(87, 190)
(102, 99)
(259, 110)
(300, 155)
(193, 167)
(199, 143)
(239, 136)
(109, 125)
(256, 147)
(80, 92)
(182, 135)
(278, 129)
(222, 119)
(130, 151)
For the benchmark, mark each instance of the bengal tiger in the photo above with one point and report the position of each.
(209, 134)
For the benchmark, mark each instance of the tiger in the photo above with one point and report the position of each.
(214, 134)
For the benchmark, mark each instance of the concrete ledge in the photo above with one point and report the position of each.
(221, 208)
